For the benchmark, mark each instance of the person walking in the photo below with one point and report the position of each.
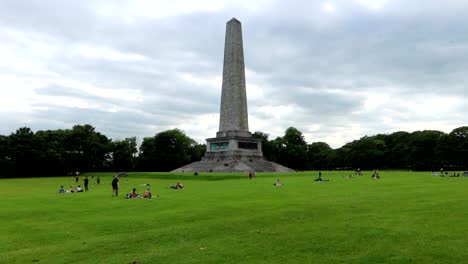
(115, 186)
(86, 182)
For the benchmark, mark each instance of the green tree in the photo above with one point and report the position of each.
(422, 149)
(166, 151)
(397, 154)
(367, 153)
(318, 153)
(268, 147)
(293, 149)
(458, 140)
(197, 151)
(87, 150)
(124, 154)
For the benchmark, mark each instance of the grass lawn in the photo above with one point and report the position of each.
(405, 217)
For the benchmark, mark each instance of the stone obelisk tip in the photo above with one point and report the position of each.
(233, 114)
(233, 20)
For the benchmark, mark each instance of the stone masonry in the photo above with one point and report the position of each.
(233, 149)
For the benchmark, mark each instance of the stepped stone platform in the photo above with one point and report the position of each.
(233, 165)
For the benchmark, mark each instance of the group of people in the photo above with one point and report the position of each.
(147, 194)
(79, 188)
(71, 190)
(178, 185)
(445, 173)
(133, 194)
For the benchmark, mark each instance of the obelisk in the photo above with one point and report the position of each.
(233, 114)
(233, 149)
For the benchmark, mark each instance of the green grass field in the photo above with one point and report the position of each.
(405, 217)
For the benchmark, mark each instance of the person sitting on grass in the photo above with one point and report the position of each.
(375, 174)
(147, 194)
(319, 176)
(133, 194)
(72, 190)
(79, 189)
(277, 183)
(61, 190)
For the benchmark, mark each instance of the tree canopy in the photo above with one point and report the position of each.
(82, 148)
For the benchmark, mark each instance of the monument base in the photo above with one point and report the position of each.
(233, 151)
(233, 165)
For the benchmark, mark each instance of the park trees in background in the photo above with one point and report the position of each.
(82, 148)
(124, 154)
(318, 155)
(167, 150)
(53, 152)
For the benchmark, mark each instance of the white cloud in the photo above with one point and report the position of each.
(105, 53)
(329, 7)
(374, 5)
(332, 69)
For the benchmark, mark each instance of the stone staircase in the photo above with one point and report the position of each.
(258, 165)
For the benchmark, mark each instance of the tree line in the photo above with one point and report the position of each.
(58, 152)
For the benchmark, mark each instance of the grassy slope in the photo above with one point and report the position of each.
(402, 218)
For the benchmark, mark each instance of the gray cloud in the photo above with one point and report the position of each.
(346, 73)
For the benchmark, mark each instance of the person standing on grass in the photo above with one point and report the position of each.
(86, 181)
(115, 186)
(98, 180)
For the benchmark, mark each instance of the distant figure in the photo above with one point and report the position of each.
(179, 185)
(115, 186)
(133, 194)
(76, 178)
(319, 177)
(98, 180)
(92, 179)
(375, 174)
(250, 175)
(61, 190)
(253, 175)
(147, 194)
(441, 171)
(72, 190)
(79, 189)
(277, 183)
(86, 182)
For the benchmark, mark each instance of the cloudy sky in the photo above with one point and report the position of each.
(336, 70)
